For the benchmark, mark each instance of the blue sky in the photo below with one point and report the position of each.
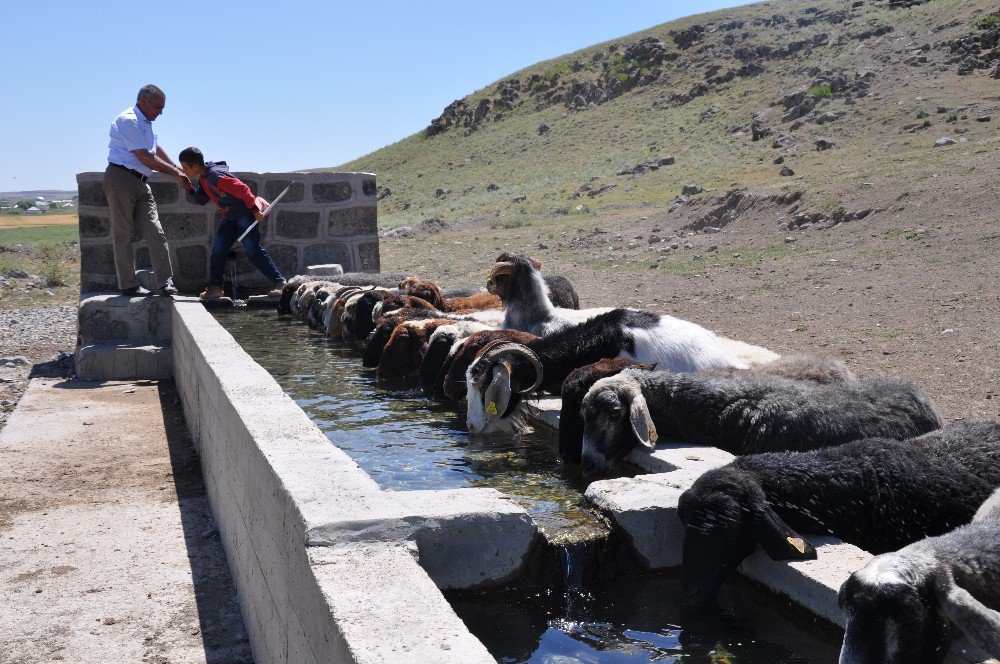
(270, 86)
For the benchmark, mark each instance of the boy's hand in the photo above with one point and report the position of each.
(183, 180)
(258, 215)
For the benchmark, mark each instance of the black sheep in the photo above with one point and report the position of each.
(878, 494)
(745, 414)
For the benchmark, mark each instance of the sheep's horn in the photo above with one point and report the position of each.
(517, 350)
(483, 363)
(499, 269)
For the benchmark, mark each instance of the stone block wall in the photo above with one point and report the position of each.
(324, 218)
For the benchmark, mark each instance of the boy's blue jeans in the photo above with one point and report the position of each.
(229, 230)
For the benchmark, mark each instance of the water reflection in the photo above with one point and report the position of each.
(402, 439)
(634, 620)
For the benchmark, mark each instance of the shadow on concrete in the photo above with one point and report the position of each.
(59, 367)
(222, 629)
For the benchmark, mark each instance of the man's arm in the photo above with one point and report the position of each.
(161, 162)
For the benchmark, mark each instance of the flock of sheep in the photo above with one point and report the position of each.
(820, 450)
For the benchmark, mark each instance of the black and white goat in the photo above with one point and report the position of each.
(527, 306)
(498, 379)
(902, 606)
(746, 413)
(876, 493)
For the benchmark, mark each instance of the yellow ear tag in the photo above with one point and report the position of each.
(797, 543)
(491, 408)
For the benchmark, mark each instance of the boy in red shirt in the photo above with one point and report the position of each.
(212, 182)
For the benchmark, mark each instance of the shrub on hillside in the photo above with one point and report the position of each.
(822, 91)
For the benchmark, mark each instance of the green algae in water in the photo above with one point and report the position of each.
(404, 440)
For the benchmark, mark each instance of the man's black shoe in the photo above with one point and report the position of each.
(135, 291)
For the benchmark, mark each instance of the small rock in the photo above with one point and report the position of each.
(712, 247)
(492, 187)
(824, 144)
(542, 245)
(692, 189)
(519, 199)
(786, 171)
(789, 240)
(944, 140)
(779, 160)
(16, 274)
(402, 231)
(543, 128)
(984, 118)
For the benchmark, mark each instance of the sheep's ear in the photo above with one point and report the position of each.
(778, 540)
(977, 621)
(642, 422)
(497, 396)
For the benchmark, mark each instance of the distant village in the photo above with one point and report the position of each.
(38, 206)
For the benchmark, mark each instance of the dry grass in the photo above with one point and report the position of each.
(25, 221)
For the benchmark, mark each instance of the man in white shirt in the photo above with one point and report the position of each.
(133, 155)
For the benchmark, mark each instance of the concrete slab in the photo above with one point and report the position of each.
(108, 548)
(326, 270)
(112, 361)
(113, 317)
(388, 608)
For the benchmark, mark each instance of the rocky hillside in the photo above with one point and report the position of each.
(750, 95)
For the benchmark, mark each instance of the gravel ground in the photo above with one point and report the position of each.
(31, 341)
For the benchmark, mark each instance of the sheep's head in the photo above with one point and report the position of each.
(424, 289)
(507, 265)
(406, 347)
(438, 350)
(495, 381)
(725, 513)
(574, 389)
(616, 418)
(893, 613)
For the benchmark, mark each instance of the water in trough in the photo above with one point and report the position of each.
(405, 441)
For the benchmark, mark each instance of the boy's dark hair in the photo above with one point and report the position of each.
(192, 156)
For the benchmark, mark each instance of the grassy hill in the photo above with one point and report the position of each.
(694, 96)
(823, 217)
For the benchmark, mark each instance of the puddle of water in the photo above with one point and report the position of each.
(403, 440)
(632, 620)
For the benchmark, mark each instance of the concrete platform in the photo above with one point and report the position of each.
(108, 548)
(123, 338)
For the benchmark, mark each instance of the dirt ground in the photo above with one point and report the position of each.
(108, 548)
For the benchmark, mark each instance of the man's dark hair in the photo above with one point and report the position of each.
(149, 92)
(192, 156)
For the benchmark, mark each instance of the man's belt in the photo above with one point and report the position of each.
(131, 171)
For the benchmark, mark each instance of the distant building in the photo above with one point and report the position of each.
(33, 210)
(41, 204)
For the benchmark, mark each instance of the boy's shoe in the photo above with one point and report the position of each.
(211, 293)
(136, 291)
(166, 289)
(279, 287)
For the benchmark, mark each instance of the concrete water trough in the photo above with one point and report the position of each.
(329, 567)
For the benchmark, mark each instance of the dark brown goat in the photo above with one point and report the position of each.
(407, 346)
